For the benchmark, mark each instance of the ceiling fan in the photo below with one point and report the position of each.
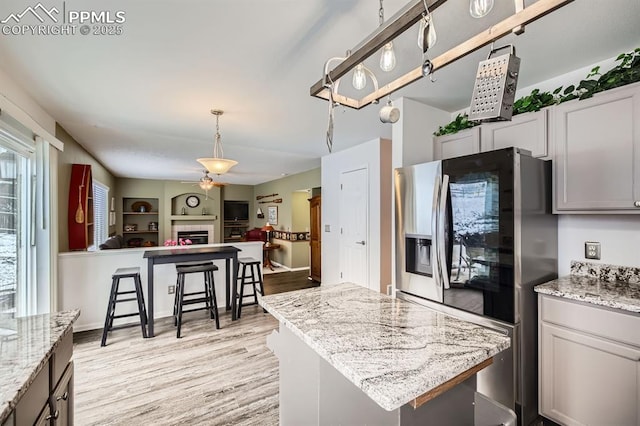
(206, 182)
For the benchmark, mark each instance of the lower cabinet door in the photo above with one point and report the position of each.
(585, 380)
(44, 417)
(63, 396)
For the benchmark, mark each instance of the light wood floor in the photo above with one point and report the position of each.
(208, 377)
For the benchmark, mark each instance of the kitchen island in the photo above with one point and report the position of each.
(351, 355)
(35, 365)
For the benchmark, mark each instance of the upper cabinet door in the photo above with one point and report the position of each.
(462, 143)
(527, 131)
(597, 153)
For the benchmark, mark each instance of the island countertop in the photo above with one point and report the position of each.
(392, 349)
(27, 343)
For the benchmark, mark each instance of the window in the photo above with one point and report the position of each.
(17, 229)
(100, 213)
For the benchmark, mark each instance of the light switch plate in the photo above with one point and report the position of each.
(592, 250)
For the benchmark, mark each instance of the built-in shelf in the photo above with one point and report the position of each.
(142, 220)
(209, 217)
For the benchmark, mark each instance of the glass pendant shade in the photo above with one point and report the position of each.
(359, 80)
(388, 58)
(480, 8)
(217, 164)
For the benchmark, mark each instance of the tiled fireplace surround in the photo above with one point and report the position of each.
(190, 228)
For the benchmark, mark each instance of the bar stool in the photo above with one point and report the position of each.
(113, 300)
(209, 299)
(251, 263)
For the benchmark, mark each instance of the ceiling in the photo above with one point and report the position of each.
(139, 102)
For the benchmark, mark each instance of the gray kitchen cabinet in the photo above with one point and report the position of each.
(527, 131)
(462, 143)
(596, 146)
(63, 397)
(589, 363)
(35, 401)
(49, 398)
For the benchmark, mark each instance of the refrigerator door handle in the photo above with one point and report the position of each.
(435, 225)
(442, 213)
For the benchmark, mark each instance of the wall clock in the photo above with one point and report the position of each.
(193, 201)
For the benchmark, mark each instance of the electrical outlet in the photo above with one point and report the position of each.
(171, 289)
(592, 250)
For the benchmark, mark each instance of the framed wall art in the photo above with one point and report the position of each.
(272, 215)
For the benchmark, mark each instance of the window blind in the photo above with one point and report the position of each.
(100, 213)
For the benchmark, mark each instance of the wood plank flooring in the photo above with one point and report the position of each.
(208, 377)
(287, 281)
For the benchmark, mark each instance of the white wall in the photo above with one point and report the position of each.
(619, 237)
(366, 155)
(85, 281)
(412, 135)
(21, 106)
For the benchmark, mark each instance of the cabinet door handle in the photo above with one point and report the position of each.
(360, 242)
(637, 204)
(63, 397)
(54, 416)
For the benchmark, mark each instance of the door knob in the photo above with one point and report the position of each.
(360, 242)
(637, 204)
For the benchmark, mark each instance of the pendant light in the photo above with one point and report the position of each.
(217, 164)
(480, 8)
(388, 57)
(359, 79)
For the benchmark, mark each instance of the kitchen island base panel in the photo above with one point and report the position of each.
(314, 392)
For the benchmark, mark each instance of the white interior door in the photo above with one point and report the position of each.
(354, 227)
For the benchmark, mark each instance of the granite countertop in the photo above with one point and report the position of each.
(612, 286)
(25, 345)
(393, 350)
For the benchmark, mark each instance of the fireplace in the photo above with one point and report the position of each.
(196, 237)
(197, 233)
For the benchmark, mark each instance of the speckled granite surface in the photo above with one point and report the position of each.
(393, 350)
(25, 345)
(612, 286)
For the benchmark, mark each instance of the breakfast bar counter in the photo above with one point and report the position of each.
(366, 357)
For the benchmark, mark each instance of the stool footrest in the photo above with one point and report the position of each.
(194, 310)
(131, 299)
(135, 314)
(127, 292)
(121, 326)
(193, 301)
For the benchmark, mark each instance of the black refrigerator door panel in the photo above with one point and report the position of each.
(481, 244)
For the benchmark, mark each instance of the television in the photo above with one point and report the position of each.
(236, 210)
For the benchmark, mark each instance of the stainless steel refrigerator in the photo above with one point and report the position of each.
(474, 235)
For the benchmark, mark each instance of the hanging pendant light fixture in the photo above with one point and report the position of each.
(359, 79)
(480, 8)
(217, 164)
(388, 57)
